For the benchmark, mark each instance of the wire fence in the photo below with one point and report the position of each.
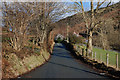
(111, 59)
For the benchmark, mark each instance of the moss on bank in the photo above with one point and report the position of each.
(16, 66)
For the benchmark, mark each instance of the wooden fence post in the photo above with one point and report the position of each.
(95, 56)
(107, 59)
(117, 61)
(92, 55)
(82, 52)
(101, 58)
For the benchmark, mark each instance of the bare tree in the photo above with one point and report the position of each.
(21, 17)
(48, 13)
(15, 19)
(93, 21)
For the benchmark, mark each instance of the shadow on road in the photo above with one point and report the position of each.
(61, 47)
(76, 68)
(62, 56)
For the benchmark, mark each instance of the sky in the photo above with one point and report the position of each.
(52, 0)
(86, 4)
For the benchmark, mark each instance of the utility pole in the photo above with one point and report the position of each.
(67, 33)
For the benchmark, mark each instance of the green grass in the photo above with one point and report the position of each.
(103, 53)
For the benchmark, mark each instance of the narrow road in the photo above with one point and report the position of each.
(62, 65)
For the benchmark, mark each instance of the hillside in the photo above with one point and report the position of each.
(111, 28)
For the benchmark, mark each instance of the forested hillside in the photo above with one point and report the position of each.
(109, 29)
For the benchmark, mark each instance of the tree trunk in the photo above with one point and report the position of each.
(33, 45)
(89, 44)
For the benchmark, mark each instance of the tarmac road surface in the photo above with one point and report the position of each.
(63, 65)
